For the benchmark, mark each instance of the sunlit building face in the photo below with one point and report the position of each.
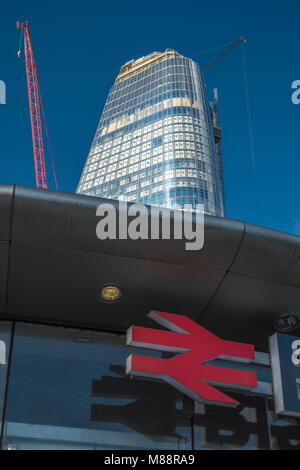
(156, 143)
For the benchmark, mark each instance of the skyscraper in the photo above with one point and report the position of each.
(158, 138)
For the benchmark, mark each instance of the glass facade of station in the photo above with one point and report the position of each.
(66, 388)
(155, 143)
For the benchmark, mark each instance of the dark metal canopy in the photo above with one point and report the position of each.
(53, 265)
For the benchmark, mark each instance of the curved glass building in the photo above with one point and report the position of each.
(158, 138)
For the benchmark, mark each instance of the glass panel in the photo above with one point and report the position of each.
(68, 390)
(285, 431)
(242, 427)
(5, 339)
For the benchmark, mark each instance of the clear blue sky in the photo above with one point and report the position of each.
(79, 48)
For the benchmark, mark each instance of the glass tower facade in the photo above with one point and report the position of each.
(158, 138)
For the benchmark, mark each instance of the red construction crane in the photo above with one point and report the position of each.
(35, 105)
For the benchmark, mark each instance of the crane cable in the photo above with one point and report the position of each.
(223, 46)
(250, 128)
(249, 116)
(48, 140)
(19, 50)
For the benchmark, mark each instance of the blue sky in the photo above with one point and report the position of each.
(79, 48)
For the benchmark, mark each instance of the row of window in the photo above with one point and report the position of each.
(153, 89)
(181, 191)
(116, 151)
(128, 123)
(128, 132)
(183, 149)
(148, 141)
(178, 82)
(145, 176)
(151, 132)
(145, 100)
(177, 159)
(114, 171)
(150, 178)
(162, 194)
(171, 66)
(119, 170)
(172, 178)
(160, 199)
(157, 91)
(166, 133)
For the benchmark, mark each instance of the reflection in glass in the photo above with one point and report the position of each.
(5, 340)
(68, 390)
(242, 427)
(285, 431)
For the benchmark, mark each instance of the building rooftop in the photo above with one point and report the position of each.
(135, 66)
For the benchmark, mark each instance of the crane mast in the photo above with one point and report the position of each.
(217, 133)
(35, 111)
